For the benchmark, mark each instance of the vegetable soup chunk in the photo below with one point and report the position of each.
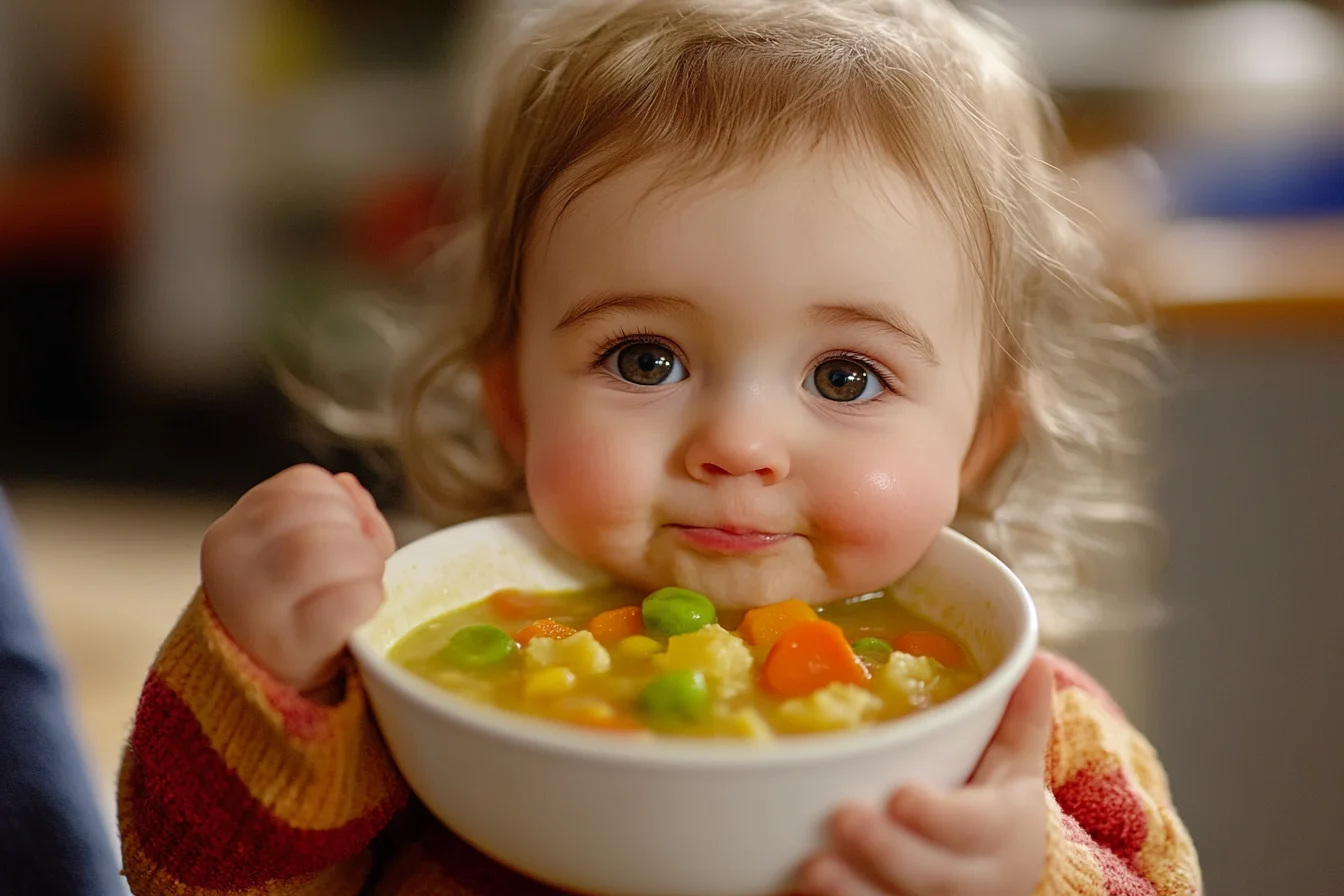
(722, 657)
(836, 706)
(672, 664)
(578, 652)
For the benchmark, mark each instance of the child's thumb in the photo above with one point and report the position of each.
(1018, 748)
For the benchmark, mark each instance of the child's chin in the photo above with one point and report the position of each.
(741, 583)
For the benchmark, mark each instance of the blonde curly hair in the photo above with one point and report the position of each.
(587, 87)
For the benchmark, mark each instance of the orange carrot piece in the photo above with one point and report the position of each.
(931, 644)
(613, 625)
(762, 626)
(543, 628)
(521, 604)
(811, 655)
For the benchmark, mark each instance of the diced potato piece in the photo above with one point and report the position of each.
(464, 684)
(638, 646)
(724, 658)
(552, 681)
(907, 681)
(914, 682)
(837, 706)
(580, 653)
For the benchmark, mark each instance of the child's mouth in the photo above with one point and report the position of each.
(729, 539)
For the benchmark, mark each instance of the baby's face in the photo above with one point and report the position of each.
(761, 387)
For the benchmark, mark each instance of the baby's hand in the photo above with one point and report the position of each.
(294, 567)
(986, 839)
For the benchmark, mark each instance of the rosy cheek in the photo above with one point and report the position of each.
(563, 480)
(582, 481)
(881, 518)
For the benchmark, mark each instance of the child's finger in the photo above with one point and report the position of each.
(969, 821)
(371, 519)
(896, 859)
(1018, 748)
(828, 875)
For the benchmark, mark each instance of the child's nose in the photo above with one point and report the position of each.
(737, 444)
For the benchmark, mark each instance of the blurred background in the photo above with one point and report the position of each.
(185, 183)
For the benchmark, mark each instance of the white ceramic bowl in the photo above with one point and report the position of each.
(595, 813)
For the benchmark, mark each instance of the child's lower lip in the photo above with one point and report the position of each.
(727, 541)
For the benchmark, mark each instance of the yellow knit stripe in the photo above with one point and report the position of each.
(147, 879)
(1168, 857)
(1140, 757)
(312, 783)
(1086, 736)
(1071, 869)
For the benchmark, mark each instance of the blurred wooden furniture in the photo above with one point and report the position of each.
(76, 211)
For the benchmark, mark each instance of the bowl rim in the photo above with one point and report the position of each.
(619, 747)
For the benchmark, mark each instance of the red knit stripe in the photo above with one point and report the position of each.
(198, 821)
(1108, 809)
(1088, 802)
(1120, 878)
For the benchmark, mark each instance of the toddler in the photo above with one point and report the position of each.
(754, 297)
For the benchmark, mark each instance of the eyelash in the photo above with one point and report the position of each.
(604, 350)
(884, 376)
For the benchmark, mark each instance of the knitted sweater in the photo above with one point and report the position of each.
(234, 784)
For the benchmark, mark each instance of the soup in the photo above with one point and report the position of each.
(671, 664)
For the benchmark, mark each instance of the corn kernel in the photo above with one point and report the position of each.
(638, 646)
(551, 682)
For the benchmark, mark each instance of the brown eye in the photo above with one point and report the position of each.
(648, 364)
(843, 380)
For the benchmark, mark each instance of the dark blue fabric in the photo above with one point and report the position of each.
(53, 839)
(1286, 179)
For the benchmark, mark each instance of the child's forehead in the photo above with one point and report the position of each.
(813, 189)
(811, 224)
(650, 181)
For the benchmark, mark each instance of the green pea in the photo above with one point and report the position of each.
(675, 698)
(873, 649)
(479, 646)
(677, 611)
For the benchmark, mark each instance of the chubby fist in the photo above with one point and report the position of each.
(296, 566)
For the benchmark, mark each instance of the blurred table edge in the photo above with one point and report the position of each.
(1230, 271)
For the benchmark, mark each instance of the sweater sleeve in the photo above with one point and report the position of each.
(1113, 830)
(233, 783)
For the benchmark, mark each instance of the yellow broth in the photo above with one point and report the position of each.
(578, 680)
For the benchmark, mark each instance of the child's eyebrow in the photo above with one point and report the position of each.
(598, 306)
(889, 321)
